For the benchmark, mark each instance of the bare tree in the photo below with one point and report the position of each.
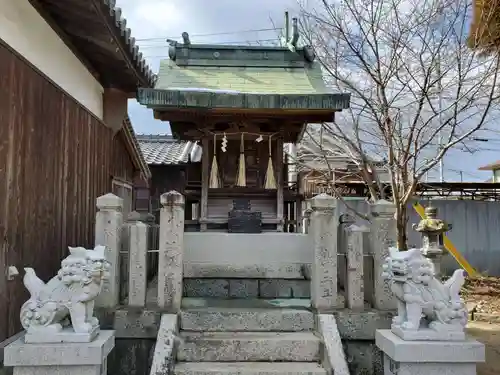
(416, 89)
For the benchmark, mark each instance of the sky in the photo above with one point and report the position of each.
(250, 22)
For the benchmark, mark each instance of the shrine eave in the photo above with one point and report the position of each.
(166, 100)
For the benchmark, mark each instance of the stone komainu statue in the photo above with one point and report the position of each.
(70, 294)
(420, 295)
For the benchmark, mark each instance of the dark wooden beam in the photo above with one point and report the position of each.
(290, 131)
(110, 48)
(89, 30)
(241, 114)
(74, 11)
(103, 11)
(79, 27)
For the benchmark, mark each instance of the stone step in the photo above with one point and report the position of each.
(247, 319)
(248, 346)
(249, 368)
(246, 288)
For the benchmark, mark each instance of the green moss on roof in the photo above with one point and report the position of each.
(263, 80)
(211, 76)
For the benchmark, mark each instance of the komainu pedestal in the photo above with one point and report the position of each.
(85, 358)
(428, 333)
(62, 335)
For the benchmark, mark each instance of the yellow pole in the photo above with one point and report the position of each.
(449, 245)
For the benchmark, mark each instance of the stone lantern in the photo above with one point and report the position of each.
(432, 230)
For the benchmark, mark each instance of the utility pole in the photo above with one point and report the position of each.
(287, 28)
(440, 116)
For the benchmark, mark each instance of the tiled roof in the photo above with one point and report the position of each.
(125, 34)
(219, 76)
(98, 34)
(164, 149)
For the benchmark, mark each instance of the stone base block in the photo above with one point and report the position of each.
(247, 288)
(404, 357)
(60, 358)
(60, 370)
(427, 334)
(249, 368)
(66, 335)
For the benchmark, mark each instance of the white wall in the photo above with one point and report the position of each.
(27, 32)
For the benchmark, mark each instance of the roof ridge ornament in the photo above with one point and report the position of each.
(185, 38)
(171, 49)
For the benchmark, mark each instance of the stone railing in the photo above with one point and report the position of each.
(361, 251)
(332, 253)
(349, 255)
(132, 250)
(108, 232)
(144, 256)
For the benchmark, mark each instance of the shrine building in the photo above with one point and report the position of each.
(240, 105)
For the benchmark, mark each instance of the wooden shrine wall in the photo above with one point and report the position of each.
(219, 207)
(256, 160)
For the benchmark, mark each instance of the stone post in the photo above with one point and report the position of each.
(170, 251)
(344, 220)
(108, 230)
(355, 237)
(323, 232)
(137, 260)
(306, 220)
(382, 236)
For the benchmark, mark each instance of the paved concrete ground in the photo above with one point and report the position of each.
(489, 335)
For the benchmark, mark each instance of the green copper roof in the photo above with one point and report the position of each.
(211, 76)
(265, 80)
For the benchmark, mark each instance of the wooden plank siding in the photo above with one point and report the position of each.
(55, 159)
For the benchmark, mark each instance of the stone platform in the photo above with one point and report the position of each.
(404, 357)
(60, 358)
(64, 335)
(265, 289)
(249, 368)
(249, 347)
(238, 319)
(137, 330)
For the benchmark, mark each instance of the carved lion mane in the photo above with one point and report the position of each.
(419, 294)
(70, 293)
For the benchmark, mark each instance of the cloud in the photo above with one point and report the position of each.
(160, 19)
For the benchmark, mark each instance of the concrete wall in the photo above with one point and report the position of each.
(25, 31)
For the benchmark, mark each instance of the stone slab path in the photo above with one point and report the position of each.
(489, 335)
